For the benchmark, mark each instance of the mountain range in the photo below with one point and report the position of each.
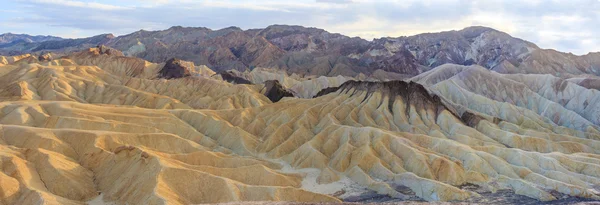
(10, 39)
(316, 52)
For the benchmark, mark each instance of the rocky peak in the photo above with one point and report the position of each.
(176, 68)
(474, 31)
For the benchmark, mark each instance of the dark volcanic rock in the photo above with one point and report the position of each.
(175, 68)
(326, 91)
(275, 91)
(232, 78)
(411, 93)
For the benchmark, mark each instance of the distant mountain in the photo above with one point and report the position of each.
(316, 52)
(54, 45)
(491, 49)
(11, 38)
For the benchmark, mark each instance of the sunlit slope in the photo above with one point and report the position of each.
(89, 77)
(92, 123)
(381, 134)
(65, 153)
(542, 102)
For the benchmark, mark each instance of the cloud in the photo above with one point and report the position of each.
(570, 26)
(81, 4)
(335, 1)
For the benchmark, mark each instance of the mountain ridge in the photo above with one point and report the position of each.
(9, 37)
(310, 51)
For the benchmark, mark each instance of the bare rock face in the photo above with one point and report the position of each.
(275, 91)
(175, 68)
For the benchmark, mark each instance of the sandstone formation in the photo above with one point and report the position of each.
(100, 123)
(91, 77)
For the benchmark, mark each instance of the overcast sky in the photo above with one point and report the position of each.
(565, 25)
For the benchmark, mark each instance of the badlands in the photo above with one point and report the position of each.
(100, 126)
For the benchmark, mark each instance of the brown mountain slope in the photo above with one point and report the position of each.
(312, 51)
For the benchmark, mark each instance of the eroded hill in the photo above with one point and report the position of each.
(98, 124)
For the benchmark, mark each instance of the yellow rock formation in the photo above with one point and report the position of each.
(92, 123)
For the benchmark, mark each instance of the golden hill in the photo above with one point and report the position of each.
(91, 123)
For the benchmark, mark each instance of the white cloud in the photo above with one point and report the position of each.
(243, 5)
(81, 4)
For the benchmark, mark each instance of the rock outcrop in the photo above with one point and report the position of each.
(275, 91)
(102, 49)
(233, 78)
(175, 68)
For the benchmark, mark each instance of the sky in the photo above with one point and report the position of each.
(564, 25)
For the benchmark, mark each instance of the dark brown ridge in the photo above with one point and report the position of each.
(174, 68)
(275, 91)
(326, 91)
(412, 93)
(232, 78)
